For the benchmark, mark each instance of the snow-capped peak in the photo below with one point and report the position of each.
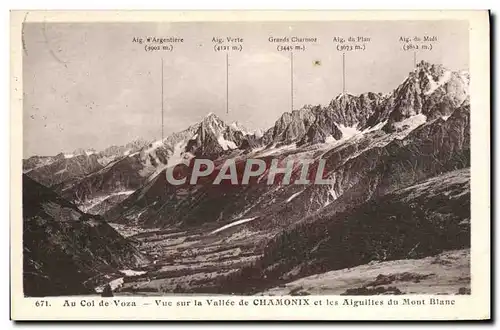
(434, 85)
(226, 144)
(213, 124)
(258, 132)
(341, 95)
(81, 151)
(237, 126)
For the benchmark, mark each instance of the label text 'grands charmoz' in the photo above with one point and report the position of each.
(250, 171)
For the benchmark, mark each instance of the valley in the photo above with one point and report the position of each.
(191, 262)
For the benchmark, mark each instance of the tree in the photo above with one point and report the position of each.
(107, 291)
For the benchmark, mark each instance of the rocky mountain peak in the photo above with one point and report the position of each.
(430, 90)
(214, 137)
(239, 127)
(212, 124)
(353, 111)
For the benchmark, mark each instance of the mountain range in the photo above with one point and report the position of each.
(380, 153)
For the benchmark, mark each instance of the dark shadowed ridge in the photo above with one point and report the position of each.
(66, 251)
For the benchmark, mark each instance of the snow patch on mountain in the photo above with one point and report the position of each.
(332, 193)
(464, 77)
(138, 215)
(273, 150)
(114, 284)
(154, 146)
(330, 139)
(258, 133)
(129, 272)
(176, 157)
(237, 126)
(226, 144)
(60, 171)
(134, 154)
(411, 122)
(434, 85)
(376, 127)
(89, 204)
(348, 132)
(331, 197)
(341, 95)
(232, 224)
(293, 196)
(106, 160)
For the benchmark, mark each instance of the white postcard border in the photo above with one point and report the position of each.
(475, 306)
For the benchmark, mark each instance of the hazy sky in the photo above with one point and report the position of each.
(89, 86)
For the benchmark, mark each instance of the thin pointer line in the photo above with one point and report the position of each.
(343, 73)
(291, 79)
(227, 82)
(162, 99)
